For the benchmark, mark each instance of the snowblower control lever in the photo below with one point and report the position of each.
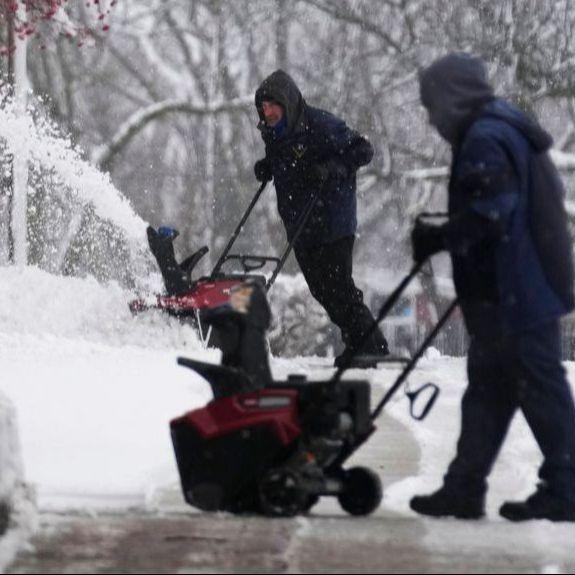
(413, 395)
(251, 263)
(260, 261)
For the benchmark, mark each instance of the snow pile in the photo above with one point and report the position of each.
(17, 513)
(40, 305)
(11, 474)
(94, 387)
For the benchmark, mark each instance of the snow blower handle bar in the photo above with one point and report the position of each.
(245, 259)
(238, 230)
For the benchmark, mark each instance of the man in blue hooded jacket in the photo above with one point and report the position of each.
(508, 238)
(311, 152)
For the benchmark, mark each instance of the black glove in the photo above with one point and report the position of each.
(263, 170)
(329, 169)
(426, 240)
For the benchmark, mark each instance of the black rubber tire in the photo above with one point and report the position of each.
(281, 493)
(362, 492)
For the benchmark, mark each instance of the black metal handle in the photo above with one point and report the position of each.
(413, 395)
(250, 262)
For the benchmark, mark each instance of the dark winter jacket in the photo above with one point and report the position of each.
(311, 137)
(507, 234)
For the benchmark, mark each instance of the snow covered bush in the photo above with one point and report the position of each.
(300, 326)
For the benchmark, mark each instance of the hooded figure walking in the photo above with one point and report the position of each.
(311, 152)
(511, 253)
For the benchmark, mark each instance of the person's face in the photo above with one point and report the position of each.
(273, 113)
(437, 116)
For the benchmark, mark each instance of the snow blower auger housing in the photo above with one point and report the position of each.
(189, 298)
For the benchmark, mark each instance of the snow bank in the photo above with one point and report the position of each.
(94, 387)
(42, 305)
(17, 516)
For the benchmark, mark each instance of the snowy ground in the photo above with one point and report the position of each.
(95, 389)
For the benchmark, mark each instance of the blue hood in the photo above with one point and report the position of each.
(530, 128)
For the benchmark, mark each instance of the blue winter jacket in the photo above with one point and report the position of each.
(507, 235)
(312, 137)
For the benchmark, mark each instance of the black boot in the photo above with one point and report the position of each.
(372, 352)
(349, 358)
(541, 505)
(447, 502)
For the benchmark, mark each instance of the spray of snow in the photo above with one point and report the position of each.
(52, 151)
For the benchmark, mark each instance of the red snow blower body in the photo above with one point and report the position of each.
(188, 298)
(266, 446)
(276, 450)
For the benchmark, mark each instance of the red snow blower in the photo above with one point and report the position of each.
(276, 447)
(189, 298)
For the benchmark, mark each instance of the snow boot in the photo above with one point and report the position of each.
(540, 505)
(373, 351)
(360, 361)
(447, 502)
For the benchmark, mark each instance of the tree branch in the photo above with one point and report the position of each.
(104, 155)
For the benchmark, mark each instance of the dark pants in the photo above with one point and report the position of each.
(328, 272)
(507, 373)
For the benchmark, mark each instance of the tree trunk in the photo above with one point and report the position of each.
(20, 157)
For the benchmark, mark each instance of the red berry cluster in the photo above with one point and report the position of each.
(41, 11)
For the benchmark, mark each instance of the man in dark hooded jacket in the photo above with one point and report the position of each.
(310, 152)
(512, 262)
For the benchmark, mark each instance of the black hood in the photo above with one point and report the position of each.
(453, 89)
(281, 88)
(530, 128)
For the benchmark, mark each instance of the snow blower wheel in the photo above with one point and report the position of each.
(281, 493)
(362, 491)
